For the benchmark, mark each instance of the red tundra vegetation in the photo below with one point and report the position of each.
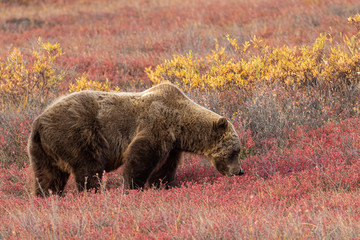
(285, 72)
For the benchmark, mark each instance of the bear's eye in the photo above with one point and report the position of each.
(235, 155)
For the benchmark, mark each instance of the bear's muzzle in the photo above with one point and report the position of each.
(238, 172)
(241, 172)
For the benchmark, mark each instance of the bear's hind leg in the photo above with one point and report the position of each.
(49, 180)
(165, 173)
(90, 177)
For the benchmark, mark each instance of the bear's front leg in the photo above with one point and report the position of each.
(141, 157)
(164, 173)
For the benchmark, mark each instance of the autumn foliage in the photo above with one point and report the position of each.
(334, 64)
(25, 79)
(288, 78)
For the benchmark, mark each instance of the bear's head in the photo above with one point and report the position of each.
(225, 148)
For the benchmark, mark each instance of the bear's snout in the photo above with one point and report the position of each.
(241, 172)
(237, 172)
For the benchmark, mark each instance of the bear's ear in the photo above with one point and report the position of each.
(221, 125)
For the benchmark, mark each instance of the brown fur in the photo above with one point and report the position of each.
(89, 132)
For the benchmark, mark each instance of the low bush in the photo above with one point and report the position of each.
(30, 78)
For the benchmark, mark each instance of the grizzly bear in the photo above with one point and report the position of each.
(89, 132)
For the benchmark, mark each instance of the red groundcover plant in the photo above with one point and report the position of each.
(309, 189)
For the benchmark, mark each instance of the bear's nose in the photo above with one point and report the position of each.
(241, 172)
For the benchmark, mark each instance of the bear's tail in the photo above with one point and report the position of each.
(35, 149)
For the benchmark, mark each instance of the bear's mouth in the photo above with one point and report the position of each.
(222, 169)
(229, 171)
(237, 172)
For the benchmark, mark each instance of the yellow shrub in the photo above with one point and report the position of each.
(336, 64)
(32, 78)
(180, 70)
(355, 19)
(82, 83)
